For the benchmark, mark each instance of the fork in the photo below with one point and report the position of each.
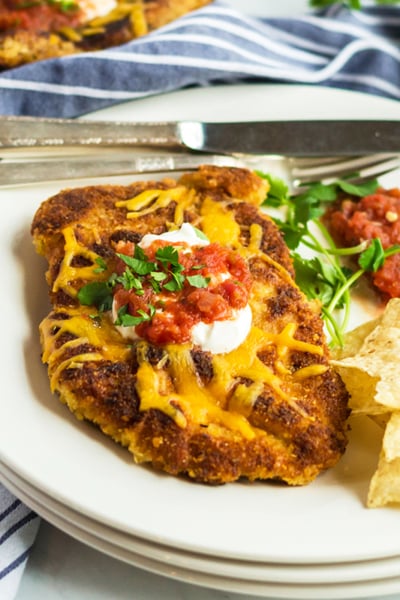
(355, 169)
(298, 173)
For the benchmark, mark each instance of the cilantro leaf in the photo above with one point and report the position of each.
(168, 255)
(360, 190)
(322, 192)
(292, 234)
(129, 281)
(318, 278)
(373, 257)
(125, 319)
(198, 281)
(102, 265)
(96, 293)
(278, 191)
(138, 266)
(158, 276)
(307, 208)
(175, 284)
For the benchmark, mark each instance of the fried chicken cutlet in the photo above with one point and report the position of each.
(268, 408)
(32, 31)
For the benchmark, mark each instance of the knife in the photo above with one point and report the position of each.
(294, 138)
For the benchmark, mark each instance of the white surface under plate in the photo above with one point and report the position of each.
(72, 462)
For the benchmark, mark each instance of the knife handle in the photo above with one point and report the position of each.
(23, 132)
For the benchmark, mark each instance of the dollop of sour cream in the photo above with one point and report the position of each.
(218, 337)
(187, 233)
(223, 336)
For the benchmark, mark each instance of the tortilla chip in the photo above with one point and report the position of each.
(369, 365)
(353, 340)
(391, 439)
(385, 484)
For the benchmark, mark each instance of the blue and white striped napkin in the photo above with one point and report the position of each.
(336, 47)
(18, 528)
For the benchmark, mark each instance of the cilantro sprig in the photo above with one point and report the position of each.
(320, 271)
(165, 273)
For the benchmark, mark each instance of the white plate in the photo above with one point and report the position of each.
(290, 574)
(40, 441)
(166, 565)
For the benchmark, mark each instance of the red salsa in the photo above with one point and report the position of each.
(216, 282)
(374, 216)
(40, 16)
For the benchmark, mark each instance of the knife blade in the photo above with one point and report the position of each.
(294, 138)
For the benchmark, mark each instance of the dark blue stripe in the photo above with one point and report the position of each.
(18, 561)
(31, 515)
(10, 509)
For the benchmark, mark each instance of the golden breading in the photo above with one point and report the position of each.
(271, 409)
(128, 20)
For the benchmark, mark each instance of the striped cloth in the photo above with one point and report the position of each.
(18, 528)
(357, 50)
(336, 47)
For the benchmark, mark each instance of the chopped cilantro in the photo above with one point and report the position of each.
(127, 320)
(140, 266)
(168, 256)
(163, 274)
(175, 283)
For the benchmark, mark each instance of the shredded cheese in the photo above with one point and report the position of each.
(219, 224)
(98, 333)
(69, 273)
(138, 20)
(149, 201)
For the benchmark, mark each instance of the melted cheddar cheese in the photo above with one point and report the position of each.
(68, 274)
(219, 224)
(149, 201)
(85, 329)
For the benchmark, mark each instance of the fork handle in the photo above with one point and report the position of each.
(18, 172)
(22, 132)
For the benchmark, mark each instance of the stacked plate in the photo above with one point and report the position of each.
(323, 567)
(259, 539)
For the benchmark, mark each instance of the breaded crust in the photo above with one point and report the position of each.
(272, 409)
